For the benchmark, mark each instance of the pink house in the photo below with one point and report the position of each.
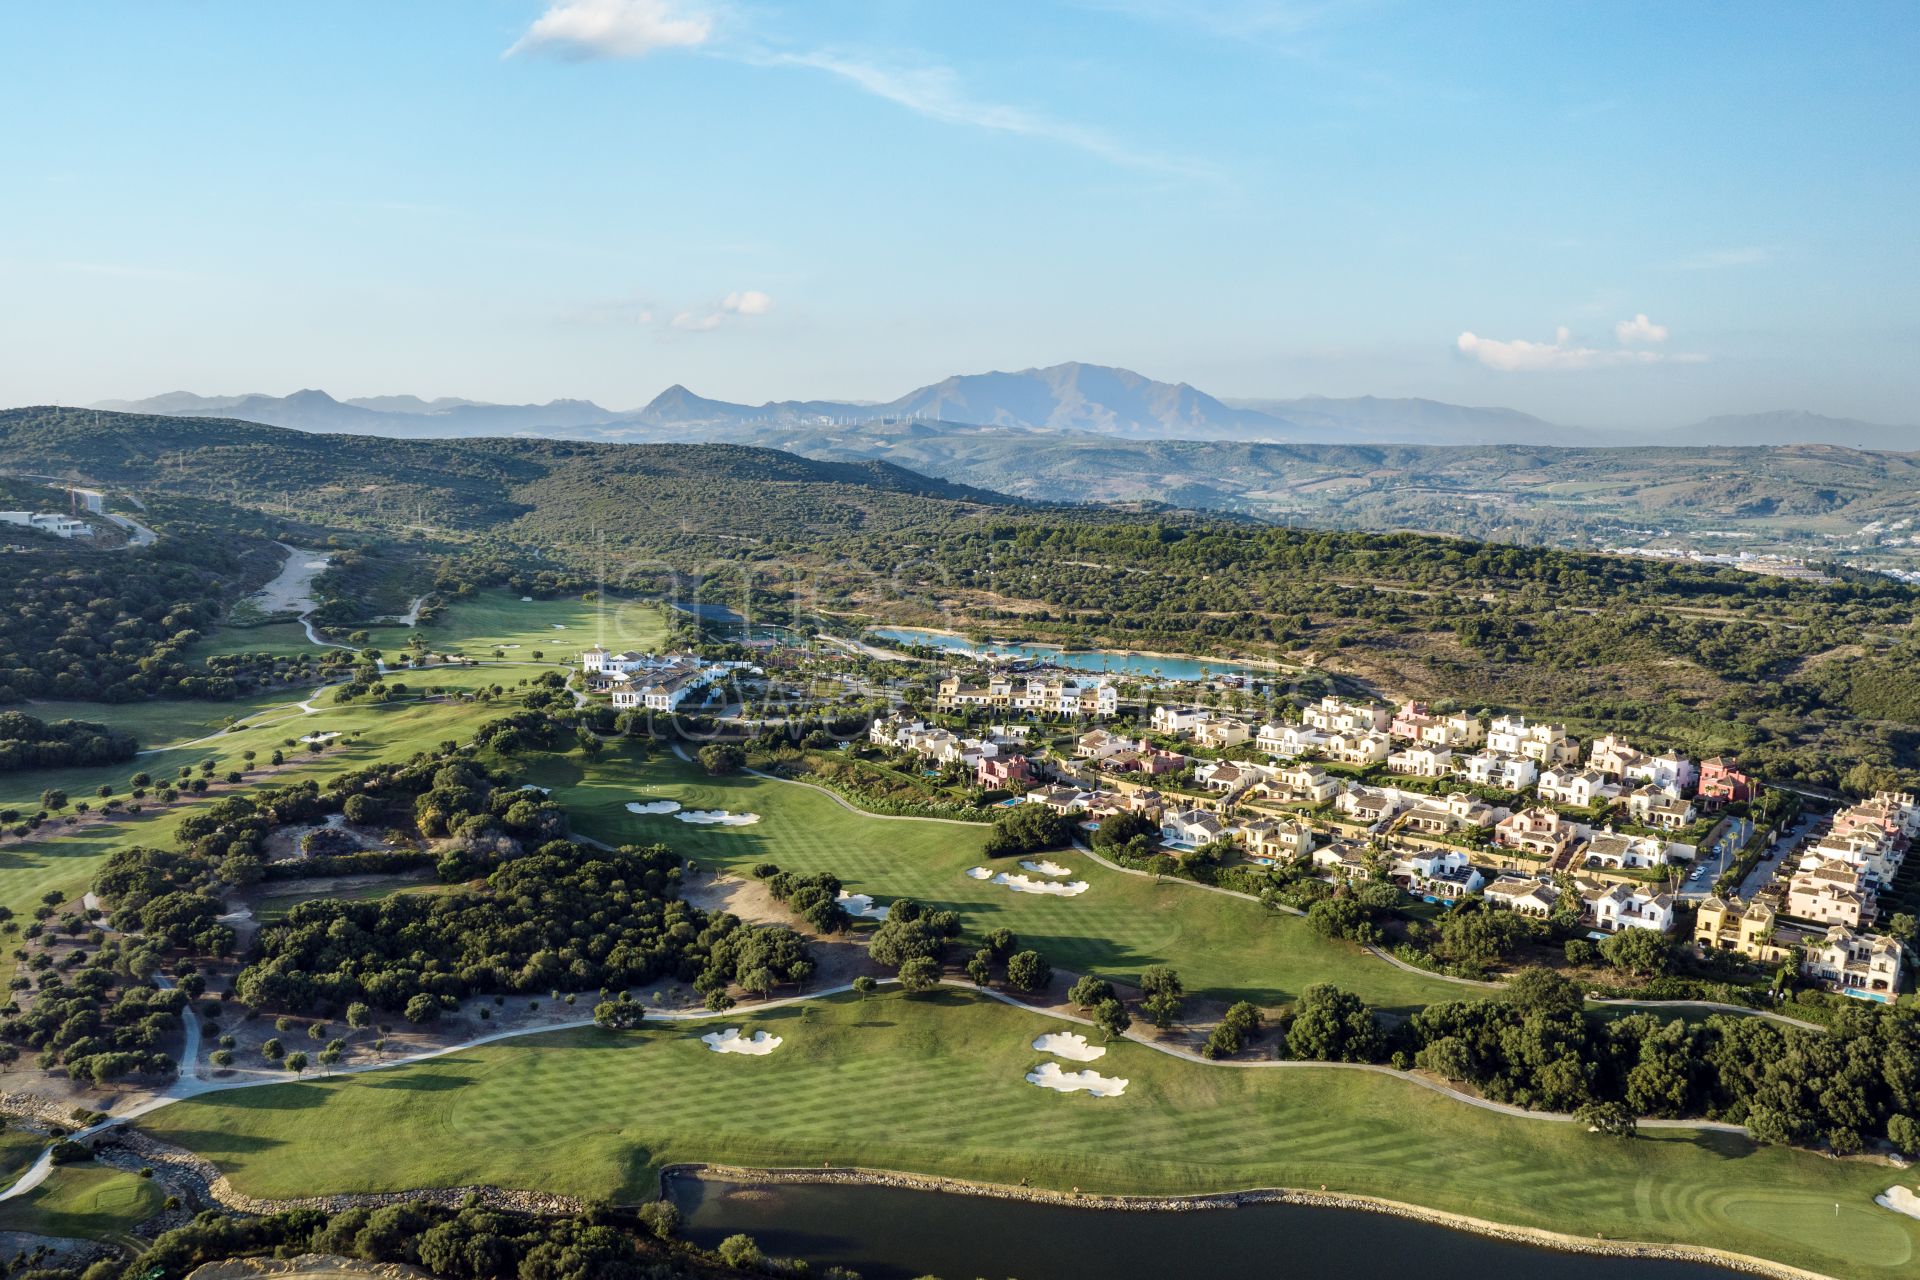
(1722, 782)
(1003, 771)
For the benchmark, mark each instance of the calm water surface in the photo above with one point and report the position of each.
(1139, 665)
(887, 1233)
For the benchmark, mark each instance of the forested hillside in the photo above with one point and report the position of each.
(1820, 502)
(113, 625)
(1811, 680)
(475, 486)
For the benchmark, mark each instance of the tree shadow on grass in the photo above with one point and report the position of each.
(1726, 1146)
(294, 1095)
(423, 1082)
(222, 1140)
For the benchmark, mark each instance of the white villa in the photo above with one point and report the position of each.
(1576, 788)
(1437, 873)
(1863, 965)
(1192, 828)
(1654, 807)
(1617, 907)
(1422, 762)
(1528, 897)
(1546, 744)
(1289, 740)
(1610, 850)
(1174, 720)
(48, 522)
(1508, 773)
(1332, 715)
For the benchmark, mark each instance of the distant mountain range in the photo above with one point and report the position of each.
(1074, 398)
(404, 416)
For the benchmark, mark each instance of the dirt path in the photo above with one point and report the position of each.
(411, 618)
(291, 591)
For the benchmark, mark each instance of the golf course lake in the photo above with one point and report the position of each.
(892, 1233)
(1144, 666)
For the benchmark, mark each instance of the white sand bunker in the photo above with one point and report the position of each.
(1044, 867)
(1067, 1044)
(717, 818)
(559, 626)
(526, 599)
(1900, 1200)
(860, 905)
(760, 1044)
(1048, 1075)
(528, 786)
(1026, 884)
(329, 736)
(653, 806)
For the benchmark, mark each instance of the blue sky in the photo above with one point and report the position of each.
(1622, 214)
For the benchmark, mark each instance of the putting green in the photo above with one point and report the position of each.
(1874, 1235)
(934, 1084)
(1121, 925)
(86, 1202)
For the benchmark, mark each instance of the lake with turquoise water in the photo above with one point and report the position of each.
(1142, 666)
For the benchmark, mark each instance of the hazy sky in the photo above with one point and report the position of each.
(1625, 213)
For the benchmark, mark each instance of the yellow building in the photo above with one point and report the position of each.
(1747, 928)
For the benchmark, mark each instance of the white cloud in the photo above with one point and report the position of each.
(1518, 355)
(584, 29)
(937, 92)
(614, 28)
(1639, 331)
(747, 302)
(694, 322)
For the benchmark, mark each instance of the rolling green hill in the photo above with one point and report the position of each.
(473, 485)
(1804, 678)
(1812, 501)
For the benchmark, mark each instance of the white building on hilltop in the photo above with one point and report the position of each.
(48, 522)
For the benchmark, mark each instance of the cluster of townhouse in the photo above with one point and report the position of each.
(1668, 791)
(1613, 874)
(1041, 695)
(1535, 859)
(655, 681)
(995, 761)
(1820, 909)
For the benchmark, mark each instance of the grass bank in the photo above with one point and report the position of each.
(934, 1085)
(1122, 924)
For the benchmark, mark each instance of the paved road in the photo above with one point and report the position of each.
(1787, 851)
(138, 535)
